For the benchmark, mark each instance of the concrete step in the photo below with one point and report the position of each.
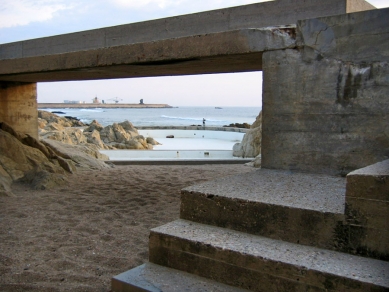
(295, 207)
(261, 264)
(367, 211)
(155, 278)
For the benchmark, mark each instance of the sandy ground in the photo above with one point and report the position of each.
(75, 238)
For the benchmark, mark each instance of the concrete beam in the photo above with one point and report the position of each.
(231, 51)
(256, 15)
(18, 107)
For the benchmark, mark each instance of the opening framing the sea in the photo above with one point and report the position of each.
(177, 116)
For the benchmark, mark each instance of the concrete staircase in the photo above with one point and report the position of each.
(273, 230)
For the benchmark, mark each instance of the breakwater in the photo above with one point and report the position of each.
(101, 105)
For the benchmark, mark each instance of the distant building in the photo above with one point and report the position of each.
(96, 100)
(73, 101)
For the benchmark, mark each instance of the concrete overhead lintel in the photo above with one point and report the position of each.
(157, 58)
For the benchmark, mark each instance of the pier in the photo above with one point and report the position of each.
(101, 105)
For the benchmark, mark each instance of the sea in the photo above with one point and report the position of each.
(176, 116)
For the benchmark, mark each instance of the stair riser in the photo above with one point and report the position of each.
(306, 227)
(244, 270)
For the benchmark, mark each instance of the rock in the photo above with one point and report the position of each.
(129, 127)
(72, 136)
(117, 136)
(152, 141)
(5, 183)
(256, 162)
(258, 121)
(238, 125)
(251, 142)
(41, 123)
(237, 150)
(83, 156)
(94, 138)
(25, 163)
(64, 122)
(54, 127)
(95, 125)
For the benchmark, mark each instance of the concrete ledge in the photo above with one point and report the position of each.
(154, 278)
(367, 211)
(261, 264)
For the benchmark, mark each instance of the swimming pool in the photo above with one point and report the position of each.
(186, 145)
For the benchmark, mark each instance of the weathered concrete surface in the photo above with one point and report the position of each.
(295, 207)
(262, 264)
(325, 105)
(18, 107)
(154, 278)
(367, 210)
(247, 16)
(232, 51)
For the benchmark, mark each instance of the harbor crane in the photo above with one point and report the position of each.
(116, 100)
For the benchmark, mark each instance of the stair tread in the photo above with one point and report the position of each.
(330, 262)
(155, 278)
(319, 192)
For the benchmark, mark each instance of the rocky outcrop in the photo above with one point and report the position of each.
(82, 156)
(45, 118)
(20, 162)
(251, 142)
(42, 165)
(117, 136)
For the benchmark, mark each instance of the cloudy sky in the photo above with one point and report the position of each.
(27, 19)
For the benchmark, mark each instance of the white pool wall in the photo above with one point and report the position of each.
(134, 155)
(194, 134)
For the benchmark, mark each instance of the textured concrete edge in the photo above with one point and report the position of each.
(347, 36)
(132, 280)
(377, 169)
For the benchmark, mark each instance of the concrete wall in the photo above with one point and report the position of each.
(326, 103)
(18, 107)
(248, 16)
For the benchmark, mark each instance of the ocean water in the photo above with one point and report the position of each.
(180, 116)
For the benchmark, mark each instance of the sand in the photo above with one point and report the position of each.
(75, 238)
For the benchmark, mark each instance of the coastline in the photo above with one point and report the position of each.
(100, 105)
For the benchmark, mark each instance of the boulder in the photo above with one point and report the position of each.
(129, 128)
(83, 156)
(93, 137)
(5, 183)
(72, 136)
(251, 142)
(41, 123)
(64, 122)
(24, 163)
(152, 141)
(94, 126)
(256, 162)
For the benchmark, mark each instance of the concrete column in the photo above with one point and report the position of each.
(19, 107)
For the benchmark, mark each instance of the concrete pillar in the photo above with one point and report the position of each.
(19, 107)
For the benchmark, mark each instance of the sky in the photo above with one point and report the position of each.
(28, 19)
